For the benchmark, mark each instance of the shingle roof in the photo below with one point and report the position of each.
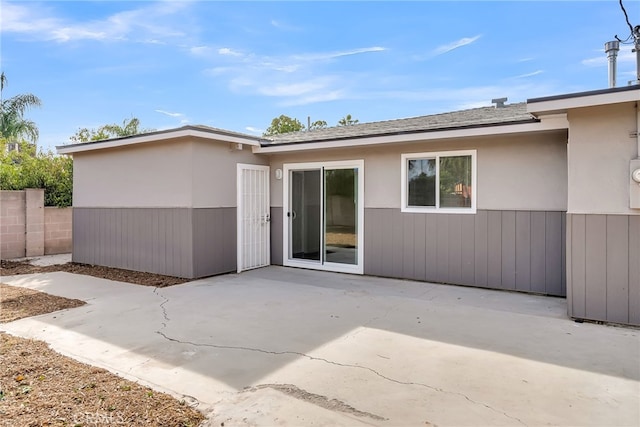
(475, 117)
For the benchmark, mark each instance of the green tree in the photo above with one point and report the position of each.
(30, 169)
(284, 124)
(128, 128)
(318, 124)
(347, 121)
(13, 125)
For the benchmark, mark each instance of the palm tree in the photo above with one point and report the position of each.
(13, 126)
(128, 128)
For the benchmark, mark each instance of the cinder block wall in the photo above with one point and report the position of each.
(35, 222)
(29, 229)
(57, 230)
(12, 224)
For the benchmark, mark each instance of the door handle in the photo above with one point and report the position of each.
(291, 214)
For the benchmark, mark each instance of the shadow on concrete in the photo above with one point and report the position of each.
(238, 329)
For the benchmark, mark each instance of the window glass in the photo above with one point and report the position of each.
(439, 182)
(421, 180)
(455, 182)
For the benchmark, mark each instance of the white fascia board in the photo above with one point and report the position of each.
(99, 145)
(563, 104)
(557, 123)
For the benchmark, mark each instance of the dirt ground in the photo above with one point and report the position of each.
(10, 268)
(17, 303)
(39, 387)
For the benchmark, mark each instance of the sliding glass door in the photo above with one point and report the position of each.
(305, 214)
(324, 216)
(341, 215)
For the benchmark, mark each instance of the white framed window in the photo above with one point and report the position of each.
(439, 182)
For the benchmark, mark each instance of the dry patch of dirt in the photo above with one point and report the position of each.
(39, 387)
(10, 268)
(17, 303)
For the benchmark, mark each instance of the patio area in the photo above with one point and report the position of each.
(284, 346)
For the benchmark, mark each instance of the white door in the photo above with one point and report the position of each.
(253, 217)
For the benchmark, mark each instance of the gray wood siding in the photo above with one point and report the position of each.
(516, 250)
(179, 242)
(214, 241)
(142, 239)
(603, 262)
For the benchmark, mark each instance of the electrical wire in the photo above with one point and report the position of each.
(632, 34)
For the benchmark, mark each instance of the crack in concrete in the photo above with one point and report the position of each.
(162, 307)
(344, 365)
(318, 359)
(316, 399)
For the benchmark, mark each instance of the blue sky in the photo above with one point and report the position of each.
(237, 65)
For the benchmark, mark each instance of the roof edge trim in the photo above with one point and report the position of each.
(157, 136)
(535, 125)
(409, 132)
(561, 103)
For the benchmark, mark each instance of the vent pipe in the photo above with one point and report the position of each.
(636, 49)
(611, 49)
(499, 102)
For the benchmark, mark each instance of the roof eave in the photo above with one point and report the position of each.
(534, 125)
(562, 103)
(187, 131)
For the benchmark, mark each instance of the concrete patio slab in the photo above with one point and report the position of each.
(281, 346)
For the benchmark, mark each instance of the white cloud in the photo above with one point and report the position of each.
(455, 45)
(217, 71)
(295, 89)
(70, 33)
(285, 63)
(229, 52)
(534, 73)
(200, 50)
(338, 54)
(143, 25)
(625, 55)
(466, 97)
(296, 79)
(254, 130)
(314, 98)
(470, 105)
(283, 26)
(170, 114)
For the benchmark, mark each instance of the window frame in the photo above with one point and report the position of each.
(405, 157)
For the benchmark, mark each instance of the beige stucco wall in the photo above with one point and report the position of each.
(524, 172)
(215, 172)
(144, 175)
(176, 173)
(599, 152)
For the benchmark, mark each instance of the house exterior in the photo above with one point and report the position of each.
(534, 197)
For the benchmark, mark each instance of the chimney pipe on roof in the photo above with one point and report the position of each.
(499, 102)
(636, 49)
(611, 49)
